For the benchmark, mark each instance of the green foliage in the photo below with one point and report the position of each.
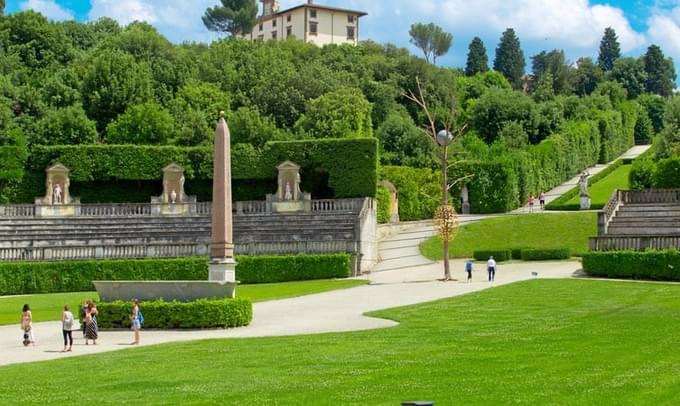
(498, 106)
(143, 124)
(159, 314)
(344, 113)
(654, 106)
(545, 254)
(660, 72)
(644, 131)
(642, 174)
(630, 73)
(268, 269)
(403, 142)
(586, 77)
(233, 16)
(431, 39)
(610, 50)
(667, 174)
(566, 200)
(382, 197)
(614, 91)
(248, 126)
(670, 135)
(420, 191)
(13, 155)
(65, 126)
(654, 265)
(499, 255)
(553, 63)
(493, 186)
(477, 61)
(510, 58)
(544, 88)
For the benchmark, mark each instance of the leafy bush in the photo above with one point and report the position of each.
(383, 202)
(142, 124)
(499, 255)
(18, 278)
(419, 191)
(655, 265)
(544, 254)
(493, 186)
(159, 314)
(667, 174)
(642, 174)
(516, 253)
(268, 269)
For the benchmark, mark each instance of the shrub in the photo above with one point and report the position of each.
(499, 255)
(642, 174)
(655, 265)
(516, 253)
(383, 202)
(667, 174)
(268, 269)
(419, 191)
(18, 278)
(159, 314)
(544, 254)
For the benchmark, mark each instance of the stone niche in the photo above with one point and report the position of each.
(394, 200)
(289, 198)
(57, 201)
(173, 201)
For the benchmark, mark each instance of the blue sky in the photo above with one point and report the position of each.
(573, 25)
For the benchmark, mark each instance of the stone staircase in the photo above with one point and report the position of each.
(637, 220)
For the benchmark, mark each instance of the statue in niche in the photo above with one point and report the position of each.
(288, 194)
(56, 196)
(173, 196)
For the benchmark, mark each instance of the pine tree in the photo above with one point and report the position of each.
(510, 58)
(431, 39)
(233, 16)
(610, 50)
(477, 60)
(660, 72)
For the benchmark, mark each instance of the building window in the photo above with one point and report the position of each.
(274, 22)
(350, 32)
(289, 31)
(313, 28)
(351, 19)
(261, 26)
(312, 13)
(288, 18)
(274, 34)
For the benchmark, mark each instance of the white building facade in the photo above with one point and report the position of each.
(313, 23)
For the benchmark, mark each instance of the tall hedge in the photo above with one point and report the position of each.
(347, 167)
(655, 265)
(420, 191)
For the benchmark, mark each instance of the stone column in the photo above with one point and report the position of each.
(222, 266)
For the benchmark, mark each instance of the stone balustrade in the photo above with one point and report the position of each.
(650, 196)
(616, 243)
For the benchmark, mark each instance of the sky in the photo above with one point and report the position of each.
(573, 25)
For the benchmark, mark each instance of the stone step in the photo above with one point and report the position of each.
(172, 227)
(643, 231)
(398, 244)
(398, 252)
(650, 207)
(636, 214)
(402, 263)
(267, 218)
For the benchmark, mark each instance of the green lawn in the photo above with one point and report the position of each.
(537, 230)
(601, 191)
(48, 306)
(557, 342)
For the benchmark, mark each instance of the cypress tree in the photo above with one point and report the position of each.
(610, 50)
(660, 72)
(477, 60)
(510, 58)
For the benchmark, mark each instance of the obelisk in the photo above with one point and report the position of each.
(222, 267)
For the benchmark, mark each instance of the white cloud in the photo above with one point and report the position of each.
(126, 11)
(664, 30)
(48, 8)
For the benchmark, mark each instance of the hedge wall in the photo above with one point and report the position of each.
(655, 265)
(383, 202)
(159, 314)
(336, 167)
(545, 254)
(499, 255)
(420, 191)
(18, 278)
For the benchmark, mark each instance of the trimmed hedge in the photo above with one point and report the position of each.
(499, 255)
(545, 254)
(383, 203)
(654, 265)
(516, 253)
(342, 168)
(420, 191)
(18, 278)
(159, 314)
(269, 269)
(561, 202)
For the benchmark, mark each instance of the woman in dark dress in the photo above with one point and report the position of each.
(91, 329)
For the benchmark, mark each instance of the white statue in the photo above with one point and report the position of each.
(56, 195)
(288, 194)
(583, 183)
(173, 196)
(465, 194)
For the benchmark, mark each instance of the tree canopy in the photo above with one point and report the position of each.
(477, 61)
(510, 58)
(233, 16)
(660, 72)
(610, 50)
(431, 39)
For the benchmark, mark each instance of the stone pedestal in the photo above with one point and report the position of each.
(173, 201)
(222, 270)
(466, 208)
(585, 202)
(57, 201)
(289, 198)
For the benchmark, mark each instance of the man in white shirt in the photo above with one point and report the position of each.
(491, 268)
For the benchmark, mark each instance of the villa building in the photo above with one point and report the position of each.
(313, 23)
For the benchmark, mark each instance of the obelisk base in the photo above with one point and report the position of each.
(222, 270)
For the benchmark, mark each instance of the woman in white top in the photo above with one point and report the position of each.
(135, 318)
(67, 327)
(27, 324)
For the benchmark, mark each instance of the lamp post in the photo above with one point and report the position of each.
(444, 138)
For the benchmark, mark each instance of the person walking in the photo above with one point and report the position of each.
(27, 325)
(491, 268)
(91, 329)
(67, 328)
(468, 269)
(541, 200)
(136, 317)
(531, 203)
(83, 312)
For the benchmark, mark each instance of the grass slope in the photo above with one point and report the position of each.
(538, 342)
(601, 191)
(48, 306)
(538, 230)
